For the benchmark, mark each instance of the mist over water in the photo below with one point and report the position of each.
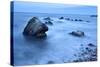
(59, 46)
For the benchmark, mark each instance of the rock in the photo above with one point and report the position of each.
(77, 33)
(91, 45)
(48, 19)
(61, 18)
(80, 20)
(71, 19)
(67, 18)
(49, 23)
(93, 15)
(87, 21)
(50, 62)
(76, 20)
(35, 28)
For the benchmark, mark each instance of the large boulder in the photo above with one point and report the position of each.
(35, 28)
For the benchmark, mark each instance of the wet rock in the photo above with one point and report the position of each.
(77, 33)
(76, 20)
(50, 62)
(61, 18)
(48, 19)
(91, 45)
(49, 23)
(35, 28)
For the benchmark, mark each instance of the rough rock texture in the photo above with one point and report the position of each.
(35, 28)
(77, 33)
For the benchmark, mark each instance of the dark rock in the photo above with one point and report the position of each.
(91, 45)
(35, 28)
(76, 60)
(50, 62)
(71, 19)
(87, 21)
(93, 15)
(77, 33)
(80, 20)
(48, 19)
(61, 18)
(76, 20)
(87, 48)
(49, 23)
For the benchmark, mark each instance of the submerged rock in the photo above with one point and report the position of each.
(77, 33)
(71, 19)
(76, 19)
(80, 20)
(49, 23)
(61, 18)
(67, 18)
(50, 62)
(91, 45)
(87, 21)
(35, 28)
(48, 19)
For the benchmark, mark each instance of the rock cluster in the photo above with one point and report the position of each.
(88, 53)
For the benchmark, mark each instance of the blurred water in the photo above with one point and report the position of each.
(59, 46)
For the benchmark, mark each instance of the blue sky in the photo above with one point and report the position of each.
(37, 7)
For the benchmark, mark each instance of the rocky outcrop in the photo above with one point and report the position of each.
(35, 28)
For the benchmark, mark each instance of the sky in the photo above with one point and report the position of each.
(37, 7)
